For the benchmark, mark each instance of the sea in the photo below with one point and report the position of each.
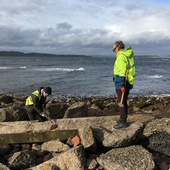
(81, 76)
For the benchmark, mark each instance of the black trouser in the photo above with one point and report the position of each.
(33, 115)
(123, 110)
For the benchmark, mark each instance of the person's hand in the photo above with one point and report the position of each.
(43, 114)
(123, 90)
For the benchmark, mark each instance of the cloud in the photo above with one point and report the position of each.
(88, 27)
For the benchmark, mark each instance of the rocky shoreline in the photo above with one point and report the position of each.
(63, 109)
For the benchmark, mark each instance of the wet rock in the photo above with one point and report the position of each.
(78, 109)
(127, 158)
(54, 146)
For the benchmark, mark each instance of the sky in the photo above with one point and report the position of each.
(85, 27)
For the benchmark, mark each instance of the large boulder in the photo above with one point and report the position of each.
(72, 159)
(10, 114)
(57, 111)
(109, 137)
(79, 109)
(22, 159)
(127, 158)
(157, 135)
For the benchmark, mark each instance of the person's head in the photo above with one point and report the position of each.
(117, 46)
(47, 91)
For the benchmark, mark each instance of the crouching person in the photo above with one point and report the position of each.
(35, 103)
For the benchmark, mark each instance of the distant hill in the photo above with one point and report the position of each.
(17, 53)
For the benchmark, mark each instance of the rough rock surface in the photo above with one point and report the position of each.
(110, 137)
(21, 159)
(10, 114)
(3, 167)
(157, 133)
(78, 109)
(103, 112)
(54, 146)
(127, 158)
(87, 139)
(71, 159)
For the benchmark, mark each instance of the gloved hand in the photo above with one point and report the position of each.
(123, 90)
(43, 114)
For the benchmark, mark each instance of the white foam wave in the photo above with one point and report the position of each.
(7, 68)
(60, 69)
(155, 76)
(23, 67)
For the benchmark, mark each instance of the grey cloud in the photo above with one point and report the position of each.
(17, 37)
(75, 41)
(64, 26)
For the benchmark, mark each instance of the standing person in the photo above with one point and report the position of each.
(123, 77)
(35, 103)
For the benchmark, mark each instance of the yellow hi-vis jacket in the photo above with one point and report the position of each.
(124, 67)
(29, 100)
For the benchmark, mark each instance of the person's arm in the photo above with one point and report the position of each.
(37, 104)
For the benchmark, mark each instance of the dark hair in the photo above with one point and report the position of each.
(120, 44)
(48, 90)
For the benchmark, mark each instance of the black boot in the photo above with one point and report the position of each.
(121, 124)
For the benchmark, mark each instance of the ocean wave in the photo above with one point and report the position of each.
(60, 69)
(155, 76)
(7, 68)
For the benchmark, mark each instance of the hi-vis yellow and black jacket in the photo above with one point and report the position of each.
(124, 69)
(36, 100)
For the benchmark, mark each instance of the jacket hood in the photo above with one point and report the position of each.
(128, 52)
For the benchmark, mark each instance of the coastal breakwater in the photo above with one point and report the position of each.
(85, 137)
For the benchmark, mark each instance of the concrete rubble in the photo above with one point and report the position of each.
(85, 137)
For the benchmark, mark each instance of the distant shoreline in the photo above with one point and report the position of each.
(36, 54)
(33, 54)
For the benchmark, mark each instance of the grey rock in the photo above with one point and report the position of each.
(157, 132)
(10, 114)
(109, 137)
(54, 146)
(87, 139)
(23, 159)
(72, 159)
(3, 167)
(79, 109)
(127, 158)
(6, 99)
(58, 110)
